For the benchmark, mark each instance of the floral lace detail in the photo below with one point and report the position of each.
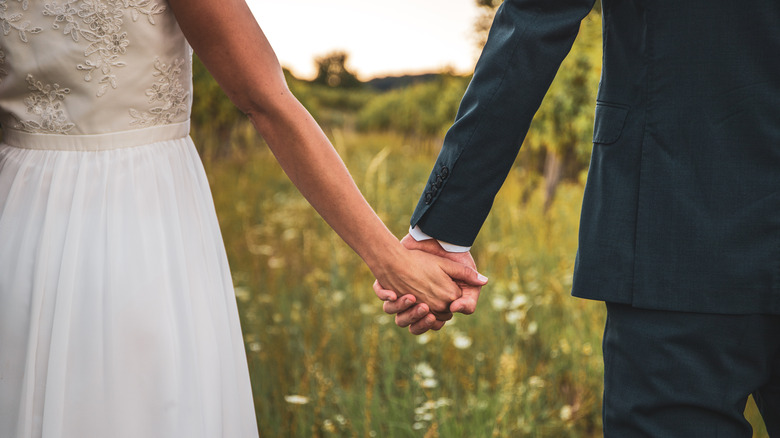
(12, 22)
(100, 24)
(169, 91)
(45, 101)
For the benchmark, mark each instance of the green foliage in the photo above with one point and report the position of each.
(423, 109)
(210, 106)
(564, 122)
(526, 363)
(223, 130)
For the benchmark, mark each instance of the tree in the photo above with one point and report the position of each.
(487, 10)
(563, 126)
(332, 71)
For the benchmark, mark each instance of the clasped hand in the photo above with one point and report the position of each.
(422, 310)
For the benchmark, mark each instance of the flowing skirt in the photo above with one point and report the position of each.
(117, 311)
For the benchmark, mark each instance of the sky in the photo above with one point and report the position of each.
(381, 37)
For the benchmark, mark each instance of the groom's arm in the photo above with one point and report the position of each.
(527, 43)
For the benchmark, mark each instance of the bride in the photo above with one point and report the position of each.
(117, 313)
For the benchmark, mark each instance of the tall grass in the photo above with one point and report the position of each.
(324, 359)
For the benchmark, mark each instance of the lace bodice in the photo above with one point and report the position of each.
(91, 66)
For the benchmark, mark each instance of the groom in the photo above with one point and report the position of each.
(680, 224)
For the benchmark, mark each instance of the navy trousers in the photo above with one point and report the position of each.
(678, 374)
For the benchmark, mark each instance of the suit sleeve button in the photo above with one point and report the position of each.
(445, 171)
(428, 198)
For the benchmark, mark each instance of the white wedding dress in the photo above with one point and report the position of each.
(117, 312)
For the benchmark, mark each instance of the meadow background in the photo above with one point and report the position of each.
(324, 359)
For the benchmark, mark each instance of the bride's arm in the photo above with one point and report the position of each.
(230, 43)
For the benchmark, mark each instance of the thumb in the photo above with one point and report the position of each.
(461, 272)
(382, 293)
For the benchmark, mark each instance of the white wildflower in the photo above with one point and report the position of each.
(242, 293)
(566, 413)
(536, 382)
(514, 316)
(276, 262)
(296, 399)
(441, 402)
(429, 383)
(424, 370)
(461, 341)
(519, 301)
(499, 302)
(338, 296)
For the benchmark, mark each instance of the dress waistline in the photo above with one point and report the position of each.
(96, 142)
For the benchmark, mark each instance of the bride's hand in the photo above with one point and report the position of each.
(408, 313)
(430, 279)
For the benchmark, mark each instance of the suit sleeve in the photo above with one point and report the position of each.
(527, 43)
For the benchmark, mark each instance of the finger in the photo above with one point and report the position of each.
(438, 325)
(430, 246)
(463, 273)
(426, 324)
(411, 316)
(382, 293)
(466, 304)
(399, 305)
(442, 316)
(423, 325)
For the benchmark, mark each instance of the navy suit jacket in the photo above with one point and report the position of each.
(682, 203)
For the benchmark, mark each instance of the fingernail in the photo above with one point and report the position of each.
(482, 277)
(407, 301)
(421, 311)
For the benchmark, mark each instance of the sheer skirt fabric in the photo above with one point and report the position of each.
(117, 311)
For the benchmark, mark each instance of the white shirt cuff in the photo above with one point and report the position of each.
(418, 235)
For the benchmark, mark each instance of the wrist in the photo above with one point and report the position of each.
(419, 235)
(383, 256)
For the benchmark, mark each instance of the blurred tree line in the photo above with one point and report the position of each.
(556, 148)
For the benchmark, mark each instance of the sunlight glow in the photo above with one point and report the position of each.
(382, 38)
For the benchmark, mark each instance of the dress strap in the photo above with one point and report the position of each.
(96, 142)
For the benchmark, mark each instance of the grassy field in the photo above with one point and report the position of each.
(324, 359)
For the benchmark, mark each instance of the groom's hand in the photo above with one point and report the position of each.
(417, 316)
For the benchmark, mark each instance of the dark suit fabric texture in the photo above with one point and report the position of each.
(682, 203)
(680, 374)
